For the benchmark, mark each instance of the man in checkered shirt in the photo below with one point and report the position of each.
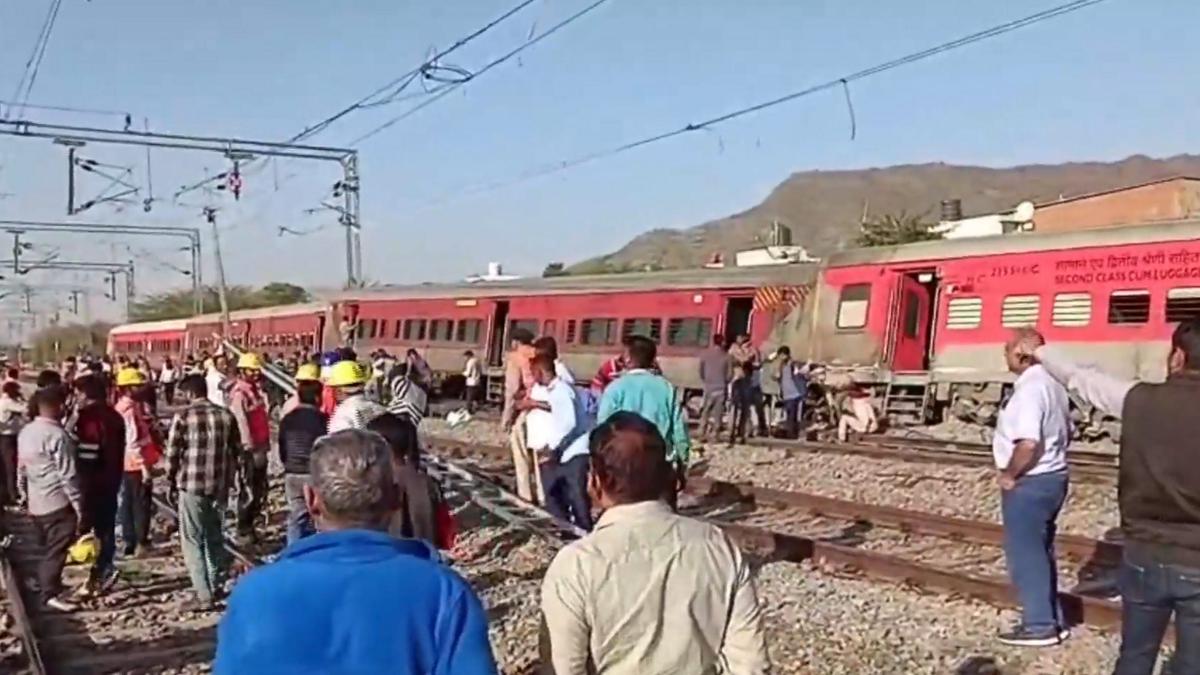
(202, 447)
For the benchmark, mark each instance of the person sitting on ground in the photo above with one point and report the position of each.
(298, 431)
(858, 414)
(46, 465)
(423, 513)
(648, 591)
(352, 598)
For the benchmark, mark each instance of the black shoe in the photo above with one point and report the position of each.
(1021, 636)
(198, 606)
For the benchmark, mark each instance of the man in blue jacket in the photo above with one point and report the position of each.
(352, 599)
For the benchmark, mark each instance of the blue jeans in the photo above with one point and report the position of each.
(793, 409)
(1150, 592)
(133, 506)
(1029, 511)
(566, 491)
(202, 542)
(299, 524)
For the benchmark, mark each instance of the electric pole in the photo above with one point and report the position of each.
(210, 214)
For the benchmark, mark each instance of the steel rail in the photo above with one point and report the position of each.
(918, 522)
(20, 611)
(781, 546)
(1084, 469)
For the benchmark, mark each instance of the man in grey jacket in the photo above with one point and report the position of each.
(46, 464)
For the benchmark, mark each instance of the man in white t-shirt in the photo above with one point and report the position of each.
(557, 428)
(216, 380)
(1033, 432)
(473, 377)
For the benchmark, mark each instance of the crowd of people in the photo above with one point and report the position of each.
(361, 584)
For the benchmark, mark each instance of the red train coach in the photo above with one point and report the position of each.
(285, 328)
(587, 315)
(926, 322)
(152, 339)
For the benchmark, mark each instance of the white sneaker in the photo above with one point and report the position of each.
(61, 605)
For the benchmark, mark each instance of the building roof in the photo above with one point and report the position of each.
(703, 278)
(1176, 230)
(1123, 188)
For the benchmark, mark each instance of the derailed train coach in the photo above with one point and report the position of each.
(922, 324)
(925, 323)
(588, 316)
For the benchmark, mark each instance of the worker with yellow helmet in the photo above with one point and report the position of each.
(307, 372)
(354, 410)
(248, 403)
(141, 454)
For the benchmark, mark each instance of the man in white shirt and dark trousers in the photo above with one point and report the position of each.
(1159, 493)
(472, 378)
(557, 430)
(1029, 446)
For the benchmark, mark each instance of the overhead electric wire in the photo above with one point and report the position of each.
(410, 75)
(64, 108)
(34, 64)
(474, 75)
(843, 81)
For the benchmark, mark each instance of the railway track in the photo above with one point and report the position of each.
(770, 543)
(1084, 465)
(140, 625)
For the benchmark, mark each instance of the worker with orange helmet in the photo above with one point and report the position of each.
(248, 403)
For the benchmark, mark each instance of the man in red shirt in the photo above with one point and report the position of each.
(248, 403)
(99, 432)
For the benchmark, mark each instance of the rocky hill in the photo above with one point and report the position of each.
(824, 208)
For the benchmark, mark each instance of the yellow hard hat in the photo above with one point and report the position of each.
(84, 551)
(249, 361)
(308, 372)
(346, 374)
(130, 377)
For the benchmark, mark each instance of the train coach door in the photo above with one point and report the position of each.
(913, 321)
(496, 345)
(737, 318)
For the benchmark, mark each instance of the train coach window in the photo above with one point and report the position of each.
(571, 329)
(651, 328)
(1183, 304)
(414, 329)
(441, 330)
(964, 313)
(852, 306)
(549, 328)
(1071, 309)
(1126, 307)
(469, 331)
(1018, 311)
(530, 325)
(689, 332)
(400, 325)
(599, 331)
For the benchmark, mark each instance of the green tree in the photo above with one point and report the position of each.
(889, 230)
(58, 342)
(177, 304)
(554, 269)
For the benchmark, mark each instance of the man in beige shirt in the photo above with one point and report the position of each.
(648, 591)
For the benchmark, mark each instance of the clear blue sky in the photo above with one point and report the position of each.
(1109, 81)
